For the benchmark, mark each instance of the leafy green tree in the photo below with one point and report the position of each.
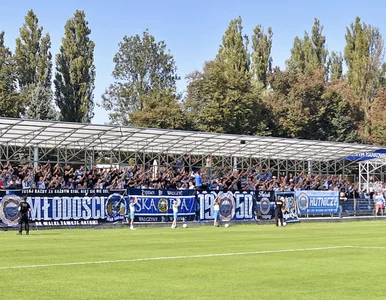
(336, 66)
(40, 103)
(275, 100)
(145, 73)
(11, 103)
(205, 101)
(319, 50)
(261, 54)
(34, 69)
(32, 54)
(378, 117)
(299, 110)
(297, 61)
(164, 112)
(310, 53)
(341, 116)
(75, 71)
(305, 106)
(233, 54)
(221, 97)
(363, 54)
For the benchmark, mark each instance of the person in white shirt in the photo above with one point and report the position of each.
(379, 203)
(216, 209)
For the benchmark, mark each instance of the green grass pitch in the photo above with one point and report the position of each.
(301, 261)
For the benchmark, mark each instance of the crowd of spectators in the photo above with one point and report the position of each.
(54, 176)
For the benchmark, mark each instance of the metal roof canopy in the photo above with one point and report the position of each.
(50, 134)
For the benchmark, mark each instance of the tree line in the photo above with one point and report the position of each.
(239, 91)
(26, 75)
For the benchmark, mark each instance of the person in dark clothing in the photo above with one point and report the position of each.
(24, 209)
(278, 211)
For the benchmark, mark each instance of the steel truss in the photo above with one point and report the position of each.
(89, 157)
(370, 172)
(33, 142)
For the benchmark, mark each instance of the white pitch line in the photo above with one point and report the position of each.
(172, 257)
(368, 247)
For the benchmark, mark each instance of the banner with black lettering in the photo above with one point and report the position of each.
(290, 212)
(156, 205)
(233, 205)
(265, 201)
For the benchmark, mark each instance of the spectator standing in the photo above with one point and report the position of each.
(379, 203)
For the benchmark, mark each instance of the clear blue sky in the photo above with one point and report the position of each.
(192, 30)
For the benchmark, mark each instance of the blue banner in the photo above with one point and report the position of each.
(317, 202)
(65, 207)
(290, 212)
(92, 207)
(233, 205)
(381, 153)
(9, 203)
(156, 205)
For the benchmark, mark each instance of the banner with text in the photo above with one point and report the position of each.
(233, 205)
(156, 205)
(290, 212)
(65, 207)
(317, 202)
(265, 205)
(92, 207)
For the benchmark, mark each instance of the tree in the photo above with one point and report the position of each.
(34, 68)
(40, 103)
(205, 100)
(305, 106)
(276, 101)
(297, 61)
(145, 72)
(341, 117)
(261, 54)
(234, 56)
(336, 66)
(378, 116)
(11, 103)
(319, 51)
(297, 110)
(32, 54)
(309, 54)
(75, 72)
(363, 54)
(221, 97)
(164, 112)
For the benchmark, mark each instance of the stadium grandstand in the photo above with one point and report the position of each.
(33, 143)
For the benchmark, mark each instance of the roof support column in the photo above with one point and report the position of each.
(93, 158)
(364, 175)
(344, 169)
(36, 157)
